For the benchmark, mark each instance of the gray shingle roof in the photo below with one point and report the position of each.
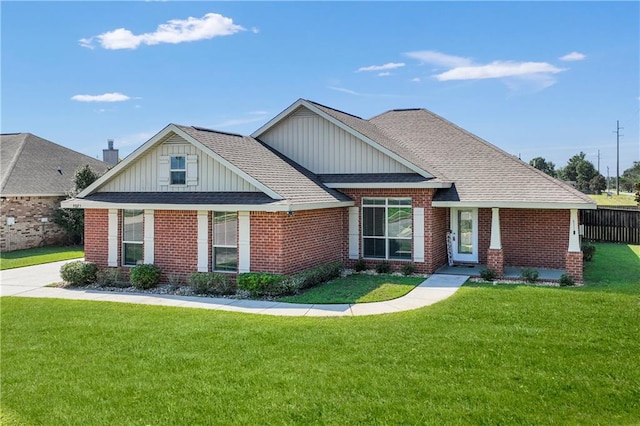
(481, 171)
(30, 165)
(181, 197)
(373, 178)
(280, 174)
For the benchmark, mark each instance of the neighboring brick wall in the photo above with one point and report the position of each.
(29, 231)
(289, 244)
(436, 228)
(574, 265)
(176, 241)
(535, 238)
(96, 236)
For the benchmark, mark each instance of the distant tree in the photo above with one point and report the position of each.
(580, 171)
(630, 177)
(72, 220)
(546, 166)
(637, 188)
(598, 184)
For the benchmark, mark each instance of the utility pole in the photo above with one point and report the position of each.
(608, 179)
(618, 156)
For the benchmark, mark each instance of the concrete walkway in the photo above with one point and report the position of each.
(31, 281)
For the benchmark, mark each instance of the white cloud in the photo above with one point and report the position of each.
(343, 90)
(439, 59)
(573, 56)
(387, 66)
(106, 97)
(384, 74)
(416, 80)
(498, 69)
(174, 31)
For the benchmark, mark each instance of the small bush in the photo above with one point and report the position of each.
(211, 283)
(110, 277)
(145, 276)
(383, 268)
(530, 275)
(588, 250)
(360, 265)
(566, 281)
(408, 269)
(79, 273)
(259, 283)
(488, 274)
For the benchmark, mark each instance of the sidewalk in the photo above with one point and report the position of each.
(30, 282)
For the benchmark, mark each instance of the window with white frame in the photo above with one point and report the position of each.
(132, 237)
(178, 170)
(225, 241)
(387, 228)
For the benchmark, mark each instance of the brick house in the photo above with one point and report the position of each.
(36, 176)
(315, 185)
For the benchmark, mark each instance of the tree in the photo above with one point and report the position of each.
(630, 177)
(598, 184)
(580, 171)
(72, 220)
(546, 166)
(637, 188)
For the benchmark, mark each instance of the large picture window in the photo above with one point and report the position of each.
(178, 170)
(132, 237)
(387, 228)
(225, 241)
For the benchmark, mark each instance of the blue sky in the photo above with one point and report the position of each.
(534, 78)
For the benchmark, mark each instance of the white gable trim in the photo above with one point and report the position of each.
(301, 102)
(157, 139)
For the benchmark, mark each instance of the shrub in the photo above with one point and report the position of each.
(566, 281)
(211, 283)
(145, 276)
(408, 269)
(110, 277)
(383, 268)
(588, 250)
(488, 274)
(530, 275)
(318, 275)
(259, 283)
(79, 273)
(360, 265)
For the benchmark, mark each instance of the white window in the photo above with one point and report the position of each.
(387, 228)
(178, 171)
(225, 241)
(132, 237)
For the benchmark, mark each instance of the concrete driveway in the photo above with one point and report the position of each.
(20, 280)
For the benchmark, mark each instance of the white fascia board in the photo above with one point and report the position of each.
(403, 185)
(514, 205)
(370, 142)
(78, 203)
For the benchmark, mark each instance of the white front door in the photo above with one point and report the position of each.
(464, 234)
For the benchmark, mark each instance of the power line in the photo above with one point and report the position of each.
(617, 132)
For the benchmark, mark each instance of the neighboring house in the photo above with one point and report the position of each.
(36, 175)
(315, 185)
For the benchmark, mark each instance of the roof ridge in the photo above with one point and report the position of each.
(510, 157)
(206, 129)
(13, 162)
(334, 109)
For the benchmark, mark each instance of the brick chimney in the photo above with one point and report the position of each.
(110, 155)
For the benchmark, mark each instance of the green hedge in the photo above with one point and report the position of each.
(211, 283)
(145, 276)
(79, 273)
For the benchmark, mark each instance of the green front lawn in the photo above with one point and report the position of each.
(506, 354)
(37, 256)
(614, 200)
(357, 288)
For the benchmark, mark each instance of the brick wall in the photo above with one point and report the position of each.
(535, 238)
(289, 244)
(29, 231)
(176, 241)
(96, 235)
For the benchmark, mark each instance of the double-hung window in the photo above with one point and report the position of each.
(387, 228)
(225, 241)
(132, 237)
(178, 171)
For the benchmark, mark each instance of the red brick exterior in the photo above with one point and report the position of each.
(495, 261)
(574, 265)
(288, 244)
(176, 241)
(29, 231)
(96, 235)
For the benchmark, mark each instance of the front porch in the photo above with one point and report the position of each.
(510, 272)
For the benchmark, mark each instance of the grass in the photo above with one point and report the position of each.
(357, 288)
(614, 200)
(505, 354)
(37, 256)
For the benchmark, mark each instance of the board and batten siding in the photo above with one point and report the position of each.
(142, 175)
(324, 148)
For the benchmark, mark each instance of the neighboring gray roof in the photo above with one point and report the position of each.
(481, 171)
(288, 179)
(30, 165)
(373, 178)
(181, 197)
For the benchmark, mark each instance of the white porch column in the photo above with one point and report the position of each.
(149, 249)
(418, 234)
(574, 235)
(244, 242)
(496, 240)
(203, 241)
(112, 238)
(354, 232)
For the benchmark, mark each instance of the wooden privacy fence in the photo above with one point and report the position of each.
(611, 224)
